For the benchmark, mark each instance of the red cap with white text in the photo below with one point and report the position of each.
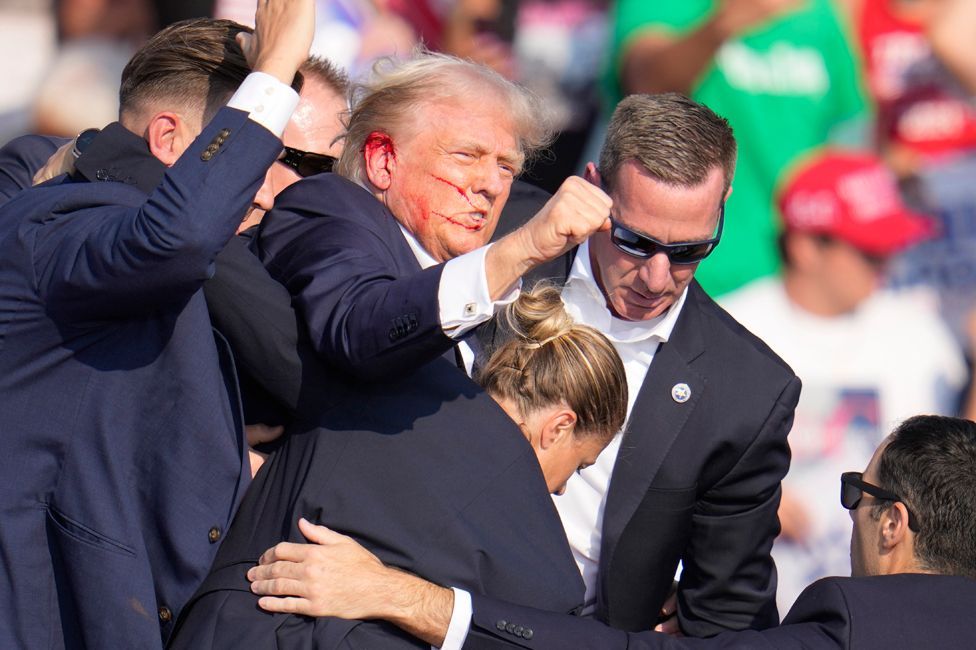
(850, 196)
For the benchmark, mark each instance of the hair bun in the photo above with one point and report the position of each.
(538, 317)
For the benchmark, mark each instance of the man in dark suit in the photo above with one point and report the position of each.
(387, 261)
(125, 459)
(261, 328)
(913, 562)
(696, 472)
(354, 258)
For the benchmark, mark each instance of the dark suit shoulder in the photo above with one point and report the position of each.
(323, 212)
(723, 331)
(903, 610)
(21, 158)
(330, 196)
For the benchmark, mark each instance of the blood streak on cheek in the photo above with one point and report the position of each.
(459, 190)
(457, 223)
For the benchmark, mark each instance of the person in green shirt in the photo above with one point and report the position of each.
(781, 71)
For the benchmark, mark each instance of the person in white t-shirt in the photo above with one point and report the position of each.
(869, 357)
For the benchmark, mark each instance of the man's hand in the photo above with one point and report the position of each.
(669, 612)
(283, 32)
(794, 520)
(336, 576)
(60, 162)
(332, 576)
(576, 211)
(734, 17)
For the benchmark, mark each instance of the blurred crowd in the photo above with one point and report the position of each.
(849, 240)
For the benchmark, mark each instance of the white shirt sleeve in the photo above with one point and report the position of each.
(463, 294)
(266, 100)
(457, 630)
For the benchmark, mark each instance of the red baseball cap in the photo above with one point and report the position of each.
(851, 196)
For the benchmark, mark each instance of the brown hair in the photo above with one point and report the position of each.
(550, 360)
(392, 98)
(327, 73)
(194, 63)
(676, 140)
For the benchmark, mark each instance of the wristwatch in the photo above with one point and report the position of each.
(82, 141)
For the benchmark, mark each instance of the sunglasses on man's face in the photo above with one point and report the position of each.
(306, 163)
(638, 245)
(853, 487)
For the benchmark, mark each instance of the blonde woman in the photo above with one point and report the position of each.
(434, 478)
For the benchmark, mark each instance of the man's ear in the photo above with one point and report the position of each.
(558, 428)
(592, 174)
(803, 250)
(379, 156)
(894, 526)
(727, 194)
(165, 137)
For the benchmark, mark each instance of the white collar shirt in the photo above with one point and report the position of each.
(581, 506)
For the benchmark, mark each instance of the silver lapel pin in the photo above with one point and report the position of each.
(681, 393)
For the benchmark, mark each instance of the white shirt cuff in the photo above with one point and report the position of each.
(463, 293)
(266, 100)
(457, 631)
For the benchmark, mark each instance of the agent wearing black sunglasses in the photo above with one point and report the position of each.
(306, 163)
(644, 247)
(647, 219)
(310, 138)
(853, 487)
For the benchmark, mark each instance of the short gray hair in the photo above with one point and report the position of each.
(676, 140)
(392, 97)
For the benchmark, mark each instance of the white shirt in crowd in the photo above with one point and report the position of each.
(863, 373)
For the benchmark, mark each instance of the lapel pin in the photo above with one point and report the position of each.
(681, 393)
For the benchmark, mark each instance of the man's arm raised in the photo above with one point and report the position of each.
(576, 211)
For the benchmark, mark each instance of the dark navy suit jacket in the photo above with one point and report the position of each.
(125, 457)
(876, 613)
(429, 474)
(424, 469)
(370, 311)
(696, 481)
(21, 158)
(699, 481)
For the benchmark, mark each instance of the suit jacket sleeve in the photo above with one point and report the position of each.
(819, 619)
(728, 579)
(20, 159)
(109, 260)
(364, 315)
(254, 313)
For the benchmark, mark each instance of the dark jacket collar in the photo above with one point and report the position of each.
(117, 154)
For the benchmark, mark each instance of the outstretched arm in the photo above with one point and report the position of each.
(656, 61)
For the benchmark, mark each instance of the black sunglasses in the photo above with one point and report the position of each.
(853, 487)
(644, 247)
(306, 163)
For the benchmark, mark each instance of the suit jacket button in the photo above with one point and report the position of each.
(101, 174)
(224, 133)
(206, 155)
(501, 624)
(527, 634)
(165, 615)
(214, 534)
(510, 628)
